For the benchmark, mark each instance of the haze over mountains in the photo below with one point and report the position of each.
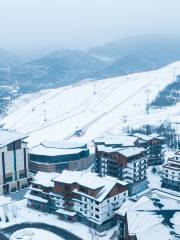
(63, 67)
(137, 54)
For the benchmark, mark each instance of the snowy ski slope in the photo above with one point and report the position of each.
(94, 107)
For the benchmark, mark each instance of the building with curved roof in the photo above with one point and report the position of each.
(55, 156)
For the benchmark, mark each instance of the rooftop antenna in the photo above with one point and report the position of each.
(147, 91)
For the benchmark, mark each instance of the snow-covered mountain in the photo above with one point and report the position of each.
(137, 54)
(56, 69)
(91, 108)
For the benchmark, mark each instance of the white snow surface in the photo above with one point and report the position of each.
(25, 214)
(34, 234)
(57, 114)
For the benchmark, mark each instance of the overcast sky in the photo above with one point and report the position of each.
(52, 24)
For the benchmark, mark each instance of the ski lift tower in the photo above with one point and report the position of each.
(45, 115)
(147, 91)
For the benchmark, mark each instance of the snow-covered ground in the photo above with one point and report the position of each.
(98, 107)
(34, 234)
(25, 214)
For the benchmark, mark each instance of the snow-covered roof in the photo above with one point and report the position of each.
(7, 137)
(63, 144)
(123, 140)
(157, 231)
(143, 215)
(49, 151)
(156, 135)
(147, 137)
(44, 179)
(89, 180)
(128, 152)
(68, 177)
(103, 148)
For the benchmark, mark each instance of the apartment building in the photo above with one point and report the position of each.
(141, 219)
(13, 161)
(171, 173)
(39, 191)
(127, 164)
(80, 196)
(153, 144)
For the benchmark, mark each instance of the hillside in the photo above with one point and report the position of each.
(56, 69)
(169, 96)
(137, 54)
(65, 67)
(91, 108)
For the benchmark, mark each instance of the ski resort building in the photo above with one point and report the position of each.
(148, 218)
(79, 196)
(55, 156)
(41, 187)
(13, 161)
(171, 173)
(154, 145)
(127, 164)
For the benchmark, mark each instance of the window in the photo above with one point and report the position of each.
(92, 207)
(97, 203)
(114, 198)
(97, 209)
(108, 201)
(22, 175)
(96, 216)
(124, 193)
(8, 179)
(57, 203)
